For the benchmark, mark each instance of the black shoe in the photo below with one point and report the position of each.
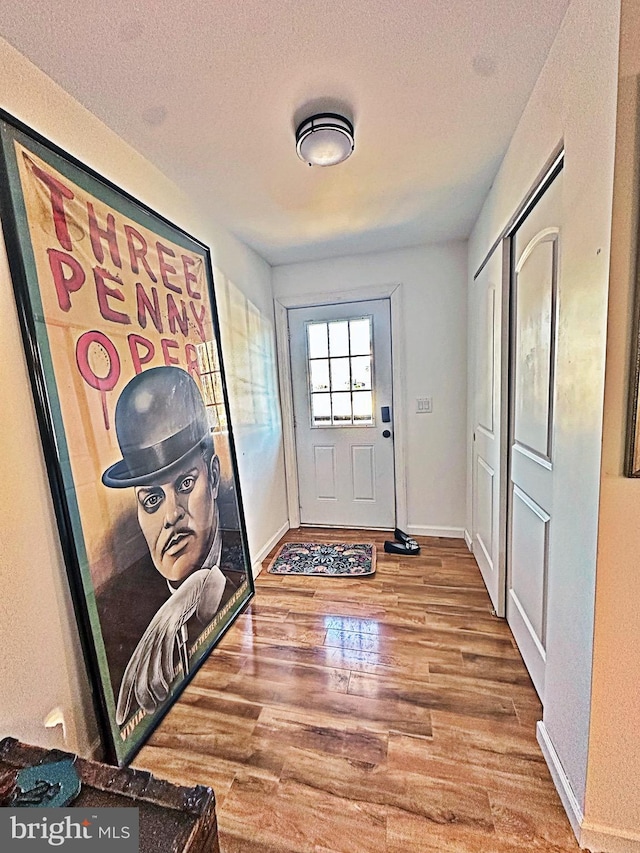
(401, 536)
(402, 547)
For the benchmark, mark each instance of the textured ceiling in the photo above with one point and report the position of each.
(211, 91)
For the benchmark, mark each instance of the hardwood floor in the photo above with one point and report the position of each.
(388, 713)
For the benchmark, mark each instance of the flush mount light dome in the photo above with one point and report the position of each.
(324, 139)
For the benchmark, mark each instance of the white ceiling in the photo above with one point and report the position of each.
(211, 92)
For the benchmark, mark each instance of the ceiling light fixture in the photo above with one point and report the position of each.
(324, 139)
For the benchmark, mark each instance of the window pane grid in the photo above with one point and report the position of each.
(340, 366)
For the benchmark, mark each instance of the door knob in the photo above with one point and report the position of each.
(386, 433)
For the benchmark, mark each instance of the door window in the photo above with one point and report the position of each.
(340, 367)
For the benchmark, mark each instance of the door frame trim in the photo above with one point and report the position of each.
(282, 304)
(546, 175)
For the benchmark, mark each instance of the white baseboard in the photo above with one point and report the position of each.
(447, 532)
(467, 539)
(598, 838)
(560, 780)
(607, 839)
(256, 564)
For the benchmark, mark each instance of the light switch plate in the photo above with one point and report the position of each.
(424, 405)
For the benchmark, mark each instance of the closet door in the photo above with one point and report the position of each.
(487, 480)
(534, 312)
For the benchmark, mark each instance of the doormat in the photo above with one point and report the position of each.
(316, 558)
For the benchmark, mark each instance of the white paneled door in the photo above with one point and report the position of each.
(536, 251)
(487, 302)
(342, 397)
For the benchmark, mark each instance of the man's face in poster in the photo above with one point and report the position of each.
(168, 457)
(177, 515)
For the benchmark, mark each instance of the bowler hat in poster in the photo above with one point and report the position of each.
(160, 418)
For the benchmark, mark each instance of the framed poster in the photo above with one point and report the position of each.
(632, 449)
(121, 336)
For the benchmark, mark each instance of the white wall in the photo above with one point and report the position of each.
(613, 793)
(434, 360)
(41, 667)
(248, 343)
(574, 101)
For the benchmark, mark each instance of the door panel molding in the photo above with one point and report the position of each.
(484, 431)
(545, 237)
(532, 454)
(487, 371)
(282, 304)
(529, 647)
(325, 469)
(530, 630)
(484, 526)
(536, 540)
(363, 483)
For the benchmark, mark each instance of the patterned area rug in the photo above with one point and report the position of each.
(315, 558)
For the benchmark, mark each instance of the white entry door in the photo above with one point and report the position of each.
(487, 308)
(341, 375)
(536, 251)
